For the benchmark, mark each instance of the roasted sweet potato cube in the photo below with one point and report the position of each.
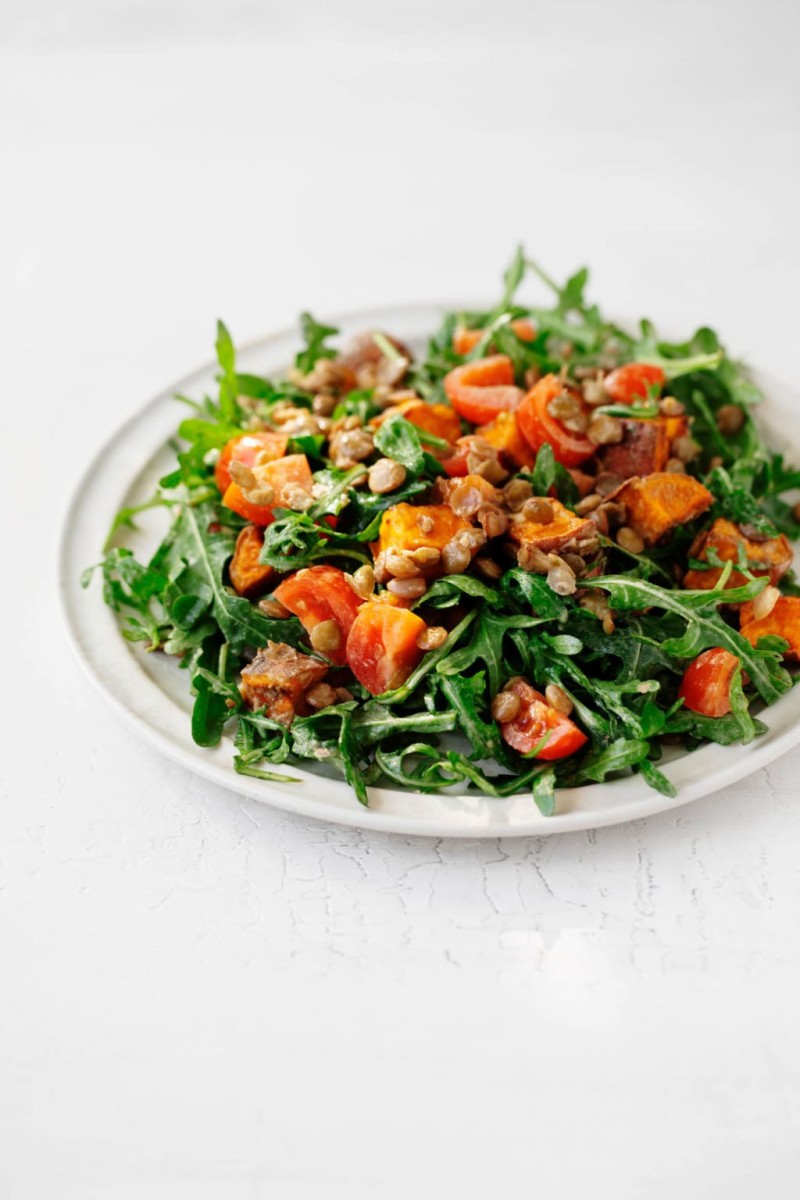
(645, 446)
(504, 434)
(277, 680)
(783, 621)
(724, 539)
(248, 576)
(410, 527)
(566, 527)
(660, 502)
(445, 487)
(438, 419)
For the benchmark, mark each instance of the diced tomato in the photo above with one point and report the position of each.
(318, 594)
(282, 474)
(382, 648)
(706, 684)
(479, 390)
(246, 448)
(539, 426)
(456, 464)
(465, 340)
(537, 719)
(634, 381)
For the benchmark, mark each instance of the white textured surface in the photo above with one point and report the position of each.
(203, 998)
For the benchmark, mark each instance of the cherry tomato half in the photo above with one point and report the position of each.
(633, 381)
(537, 719)
(539, 426)
(246, 448)
(479, 390)
(318, 594)
(382, 648)
(706, 684)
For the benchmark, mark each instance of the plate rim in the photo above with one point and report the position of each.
(458, 823)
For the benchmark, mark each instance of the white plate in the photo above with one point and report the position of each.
(152, 693)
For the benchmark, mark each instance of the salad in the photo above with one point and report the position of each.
(531, 557)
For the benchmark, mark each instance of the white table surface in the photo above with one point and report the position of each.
(202, 997)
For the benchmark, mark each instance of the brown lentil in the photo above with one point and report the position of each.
(425, 556)
(516, 493)
(561, 579)
(539, 510)
(604, 430)
(558, 699)
(563, 407)
(408, 589)
(505, 707)
(362, 581)
(326, 637)
(488, 568)
(425, 524)
(465, 500)
(455, 558)
(630, 540)
(242, 475)
(274, 609)
(322, 695)
(400, 564)
(671, 407)
(324, 403)
(606, 483)
(432, 638)
(796, 511)
(594, 392)
(730, 419)
(531, 558)
(493, 521)
(685, 448)
(675, 466)
(343, 695)
(386, 475)
(588, 504)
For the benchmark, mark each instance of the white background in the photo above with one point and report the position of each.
(202, 998)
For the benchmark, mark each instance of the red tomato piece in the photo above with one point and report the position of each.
(706, 684)
(282, 475)
(634, 381)
(479, 390)
(382, 648)
(246, 448)
(465, 340)
(539, 426)
(318, 594)
(537, 719)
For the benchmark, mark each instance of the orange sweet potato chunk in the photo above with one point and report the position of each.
(566, 527)
(504, 434)
(772, 557)
(405, 527)
(438, 419)
(661, 501)
(277, 680)
(248, 576)
(645, 445)
(783, 621)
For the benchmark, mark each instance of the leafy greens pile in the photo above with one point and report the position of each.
(622, 684)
